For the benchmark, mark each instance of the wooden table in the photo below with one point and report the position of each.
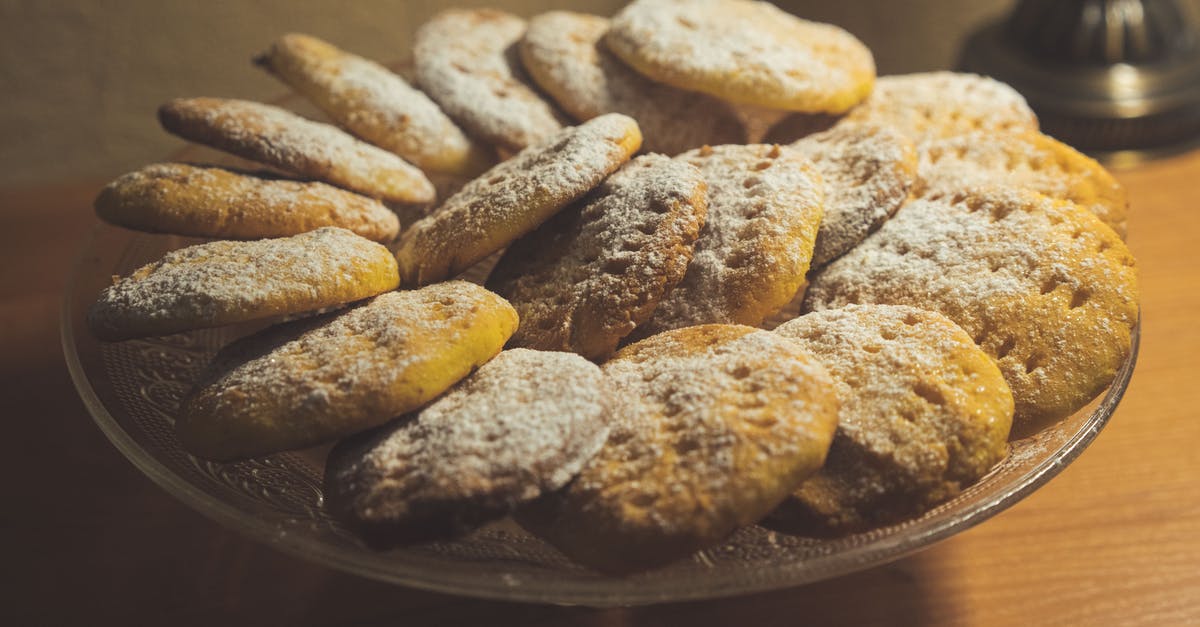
(1115, 539)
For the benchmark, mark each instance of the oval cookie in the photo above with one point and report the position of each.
(1043, 286)
(201, 201)
(868, 172)
(930, 105)
(714, 425)
(744, 51)
(764, 208)
(523, 425)
(1028, 160)
(375, 104)
(282, 139)
(223, 282)
(589, 275)
(466, 60)
(310, 381)
(924, 414)
(565, 55)
(514, 197)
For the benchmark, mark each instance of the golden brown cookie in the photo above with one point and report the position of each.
(521, 426)
(589, 275)
(930, 105)
(284, 140)
(764, 208)
(924, 414)
(514, 197)
(1044, 287)
(219, 283)
(214, 202)
(310, 381)
(868, 171)
(744, 51)
(1027, 160)
(466, 60)
(375, 104)
(565, 55)
(714, 425)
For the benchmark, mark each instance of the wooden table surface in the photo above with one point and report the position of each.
(1115, 539)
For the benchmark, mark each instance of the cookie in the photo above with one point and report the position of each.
(282, 139)
(565, 55)
(224, 282)
(466, 60)
(713, 426)
(375, 104)
(764, 208)
(924, 414)
(214, 202)
(318, 379)
(514, 197)
(868, 172)
(744, 51)
(521, 426)
(1027, 160)
(932, 105)
(1043, 286)
(589, 275)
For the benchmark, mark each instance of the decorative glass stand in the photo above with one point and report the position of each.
(132, 390)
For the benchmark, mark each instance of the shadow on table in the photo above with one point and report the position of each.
(895, 594)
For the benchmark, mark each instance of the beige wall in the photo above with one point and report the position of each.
(81, 80)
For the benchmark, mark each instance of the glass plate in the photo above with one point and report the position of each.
(132, 390)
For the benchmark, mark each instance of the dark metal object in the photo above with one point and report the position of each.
(1116, 78)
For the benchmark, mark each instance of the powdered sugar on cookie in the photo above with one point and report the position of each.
(466, 60)
(930, 105)
(764, 208)
(1041, 285)
(280, 138)
(1027, 160)
(213, 202)
(867, 171)
(744, 51)
(515, 197)
(375, 104)
(565, 54)
(224, 282)
(524, 424)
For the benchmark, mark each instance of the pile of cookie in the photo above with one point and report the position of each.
(611, 384)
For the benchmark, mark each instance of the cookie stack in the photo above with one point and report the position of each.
(612, 383)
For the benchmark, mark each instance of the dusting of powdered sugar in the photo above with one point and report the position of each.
(374, 103)
(1041, 285)
(1027, 160)
(466, 60)
(515, 197)
(744, 51)
(589, 275)
(924, 412)
(713, 426)
(764, 209)
(522, 425)
(225, 282)
(565, 54)
(930, 105)
(214, 202)
(312, 380)
(867, 171)
(282, 139)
